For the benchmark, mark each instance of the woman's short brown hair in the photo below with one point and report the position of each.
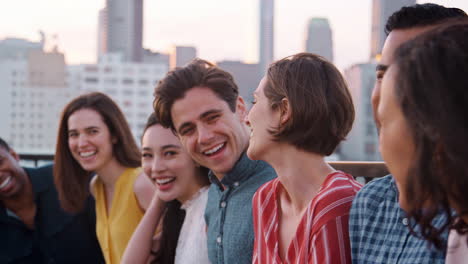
(71, 180)
(322, 111)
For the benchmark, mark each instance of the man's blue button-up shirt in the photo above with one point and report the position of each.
(228, 213)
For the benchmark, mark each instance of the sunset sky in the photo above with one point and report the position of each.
(220, 29)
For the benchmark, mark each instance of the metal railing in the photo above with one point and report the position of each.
(363, 170)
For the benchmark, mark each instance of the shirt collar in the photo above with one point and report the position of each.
(241, 171)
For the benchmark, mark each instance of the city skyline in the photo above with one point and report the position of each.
(227, 31)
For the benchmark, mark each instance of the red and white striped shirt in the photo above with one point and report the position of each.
(321, 236)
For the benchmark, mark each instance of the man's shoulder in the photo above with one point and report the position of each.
(377, 188)
(41, 177)
(263, 171)
(43, 171)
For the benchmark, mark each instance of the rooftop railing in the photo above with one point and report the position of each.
(364, 171)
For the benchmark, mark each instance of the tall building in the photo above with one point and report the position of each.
(102, 33)
(381, 11)
(362, 143)
(266, 48)
(245, 75)
(121, 29)
(319, 38)
(181, 55)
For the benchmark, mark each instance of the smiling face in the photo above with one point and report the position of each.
(261, 118)
(12, 177)
(169, 166)
(212, 134)
(89, 140)
(395, 138)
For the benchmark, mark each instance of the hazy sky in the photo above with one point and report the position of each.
(220, 29)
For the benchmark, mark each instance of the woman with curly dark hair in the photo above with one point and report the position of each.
(423, 138)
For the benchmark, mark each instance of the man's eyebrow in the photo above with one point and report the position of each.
(209, 112)
(381, 67)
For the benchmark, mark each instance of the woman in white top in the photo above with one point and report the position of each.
(423, 114)
(182, 191)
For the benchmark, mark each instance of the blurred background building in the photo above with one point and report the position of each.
(120, 29)
(381, 11)
(266, 49)
(319, 38)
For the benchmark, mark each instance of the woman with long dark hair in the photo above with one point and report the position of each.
(182, 192)
(95, 139)
(423, 138)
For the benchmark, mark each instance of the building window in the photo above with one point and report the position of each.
(90, 68)
(127, 92)
(127, 81)
(91, 80)
(143, 82)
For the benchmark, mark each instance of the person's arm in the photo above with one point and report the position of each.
(140, 245)
(144, 190)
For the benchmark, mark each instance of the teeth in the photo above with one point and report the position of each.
(87, 154)
(5, 183)
(213, 150)
(163, 181)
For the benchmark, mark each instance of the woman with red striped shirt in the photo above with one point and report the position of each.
(302, 110)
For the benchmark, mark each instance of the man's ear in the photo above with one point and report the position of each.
(241, 108)
(285, 111)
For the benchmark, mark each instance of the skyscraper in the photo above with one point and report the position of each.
(121, 22)
(181, 55)
(319, 38)
(362, 142)
(266, 47)
(381, 11)
(102, 33)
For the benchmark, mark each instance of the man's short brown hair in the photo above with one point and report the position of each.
(322, 111)
(199, 73)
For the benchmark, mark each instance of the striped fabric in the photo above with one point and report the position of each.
(321, 236)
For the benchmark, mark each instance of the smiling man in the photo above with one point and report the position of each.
(201, 104)
(34, 227)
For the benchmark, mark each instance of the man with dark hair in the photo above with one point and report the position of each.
(201, 103)
(34, 227)
(378, 225)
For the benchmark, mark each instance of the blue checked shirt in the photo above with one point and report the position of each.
(379, 231)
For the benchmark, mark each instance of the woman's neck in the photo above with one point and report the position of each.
(109, 174)
(301, 174)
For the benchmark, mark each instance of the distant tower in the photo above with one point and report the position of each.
(266, 48)
(319, 38)
(381, 11)
(181, 55)
(122, 23)
(102, 32)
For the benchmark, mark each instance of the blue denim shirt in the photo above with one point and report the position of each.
(379, 232)
(228, 213)
(58, 237)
